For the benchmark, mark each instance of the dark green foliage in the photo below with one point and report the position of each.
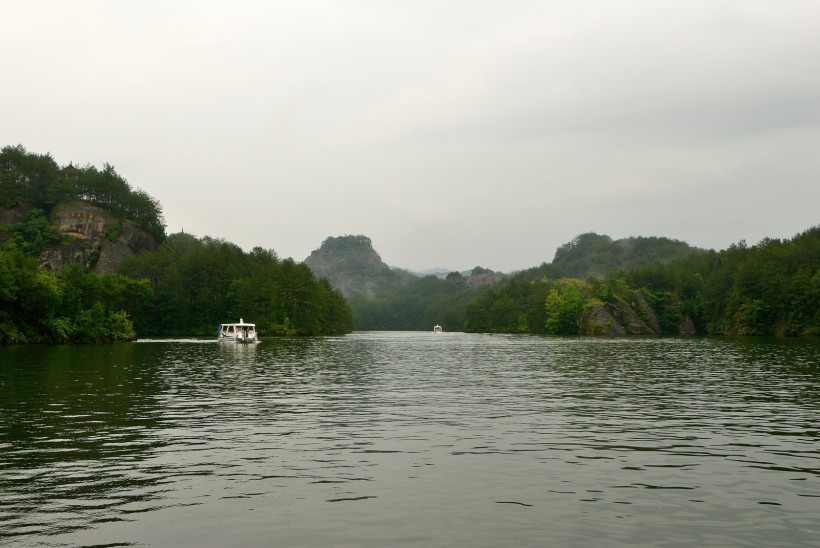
(188, 288)
(772, 288)
(517, 306)
(34, 234)
(196, 284)
(71, 306)
(564, 305)
(539, 306)
(769, 289)
(29, 178)
(29, 297)
(113, 234)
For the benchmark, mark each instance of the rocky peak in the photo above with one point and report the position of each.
(353, 266)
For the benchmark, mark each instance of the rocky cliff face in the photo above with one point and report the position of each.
(481, 277)
(621, 318)
(95, 238)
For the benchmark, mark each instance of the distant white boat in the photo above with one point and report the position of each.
(437, 328)
(238, 332)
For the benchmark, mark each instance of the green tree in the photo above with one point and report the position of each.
(564, 305)
(35, 233)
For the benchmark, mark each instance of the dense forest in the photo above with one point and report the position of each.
(73, 305)
(196, 284)
(188, 287)
(772, 288)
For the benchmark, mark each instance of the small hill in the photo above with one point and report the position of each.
(74, 214)
(352, 265)
(592, 254)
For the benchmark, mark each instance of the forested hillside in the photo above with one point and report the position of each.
(772, 288)
(187, 287)
(69, 304)
(38, 183)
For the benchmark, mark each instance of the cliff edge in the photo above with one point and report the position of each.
(93, 237)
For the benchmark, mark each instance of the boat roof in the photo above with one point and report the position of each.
(240, 324)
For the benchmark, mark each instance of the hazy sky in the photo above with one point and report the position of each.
(452, 133)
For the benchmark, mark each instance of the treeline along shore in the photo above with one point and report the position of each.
(84, 257)
(772, 288)
(597, 286)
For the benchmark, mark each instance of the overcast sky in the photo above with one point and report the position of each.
(452, 133)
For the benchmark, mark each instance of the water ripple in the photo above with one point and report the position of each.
(453, 439)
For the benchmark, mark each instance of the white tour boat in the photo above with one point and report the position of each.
(238, 332)
(437, 328)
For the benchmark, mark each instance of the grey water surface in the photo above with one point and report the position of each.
(412, 439)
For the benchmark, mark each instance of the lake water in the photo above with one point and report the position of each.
(412, 439)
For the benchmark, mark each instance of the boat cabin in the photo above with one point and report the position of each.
(241, 332)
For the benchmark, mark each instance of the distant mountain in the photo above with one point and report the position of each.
(441, 272)
(437, 272)
(387, 298)
(353, 266)
(592, 254)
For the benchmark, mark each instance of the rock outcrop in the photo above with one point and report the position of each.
(621, 318)
(95, 238)
(599, 320)
(481, 277)
(686, 326)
